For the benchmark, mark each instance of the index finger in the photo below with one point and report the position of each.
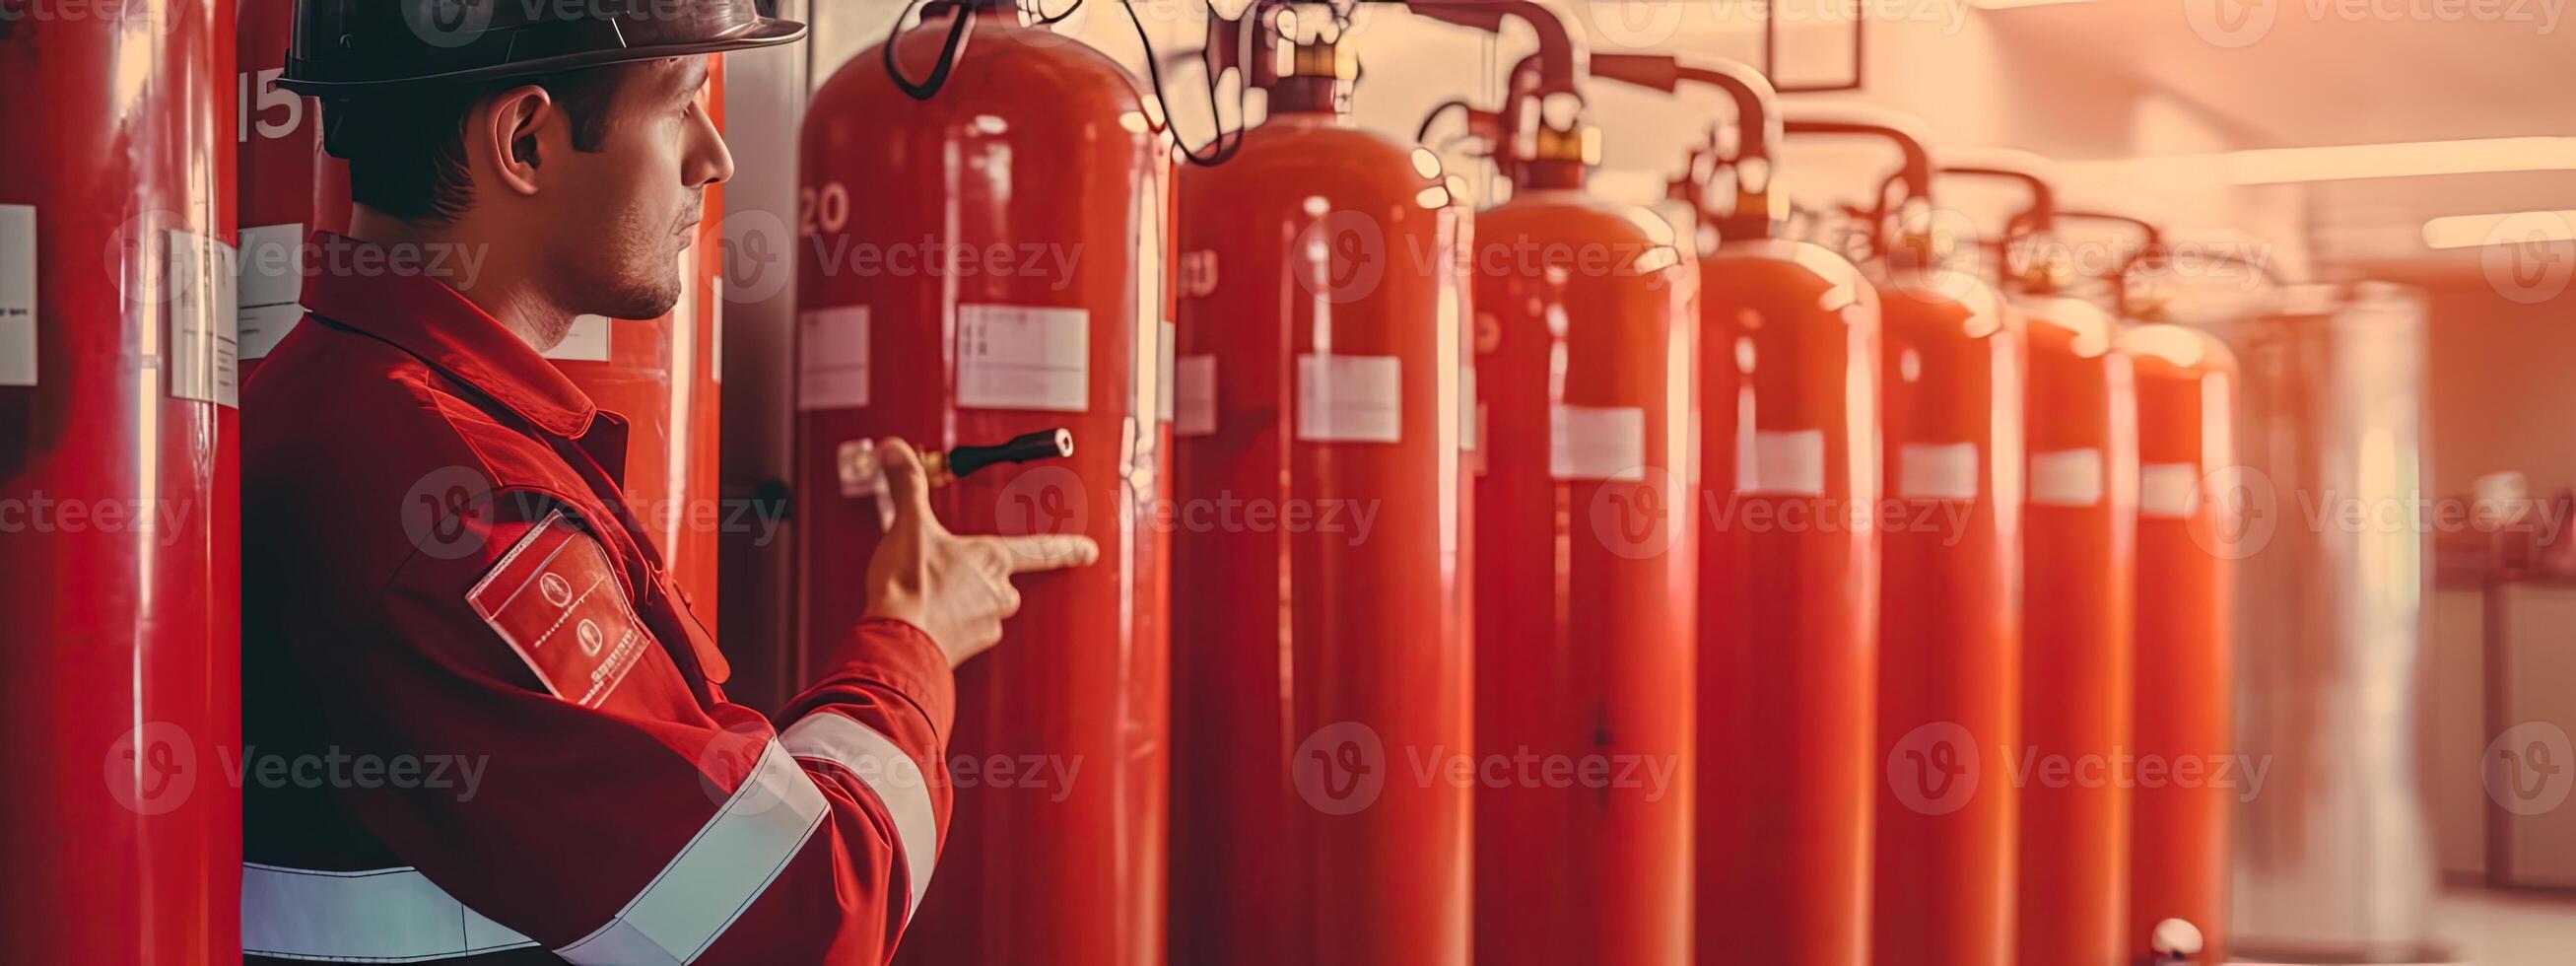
(1031, 554)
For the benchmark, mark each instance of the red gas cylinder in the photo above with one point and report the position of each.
(2080, 427)
(1950, 379)
(1000, 298)
(119, 486)
(2079, 542)
(2185, 636)
(1318, 510)
(1788, 583)
(289, 187)
(1585, 561)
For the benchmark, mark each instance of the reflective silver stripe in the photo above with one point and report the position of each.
(375, 916)
(896, 778)
(399, 916)
(718, 874)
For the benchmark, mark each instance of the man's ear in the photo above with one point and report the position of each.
(504, 137)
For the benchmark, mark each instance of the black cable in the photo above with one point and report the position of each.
(1422, 135)
(948, 53)
(1225, 148)
(1045, 19)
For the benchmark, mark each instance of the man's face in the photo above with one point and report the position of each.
(623, 213)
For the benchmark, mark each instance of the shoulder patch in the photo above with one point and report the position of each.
(556, 599)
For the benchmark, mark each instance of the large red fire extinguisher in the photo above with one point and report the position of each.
(119, 486)
(982, 252)
(2185, 632)
(1788, 600)
(1318, 512)
(1584, 555)
(663, 375)
(2079, 551)
(2186, 680)
(1950, 382)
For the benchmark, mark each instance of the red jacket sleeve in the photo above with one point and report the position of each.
(632, 824)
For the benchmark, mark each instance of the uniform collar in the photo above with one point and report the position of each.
(419, 314)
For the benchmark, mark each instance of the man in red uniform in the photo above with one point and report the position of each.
(479, 724)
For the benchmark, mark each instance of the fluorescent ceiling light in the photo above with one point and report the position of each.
(2403, 160)
(2511, 228)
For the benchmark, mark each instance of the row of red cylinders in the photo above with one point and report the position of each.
(1607, 620)
(1838, 712)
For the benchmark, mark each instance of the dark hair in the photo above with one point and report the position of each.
(406, 148)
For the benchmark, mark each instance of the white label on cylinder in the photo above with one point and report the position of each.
(2168, 490)
(17, 295)
(1596, 442)
(1785, 464)
(1020, 357)
(1350, 399)
(587, 339)
(2067, 477)
(1194, 396)
(1936, 471)
(204, 350)
(832, 358)
(1166, 408)
(271, 285)
(1471, 414)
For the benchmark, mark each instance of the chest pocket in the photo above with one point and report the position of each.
(559, 601)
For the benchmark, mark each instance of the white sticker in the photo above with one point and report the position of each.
(1163, 375)
(2168, 490)
(1936, 471)
(1784, 464)
(1596, 442)
(2068, 477)
(1471, 414)
(1350, 399)
(832, 358)
(17, 295)
(586, 340)
(1020, 357)
(205, 364)
(272, 282)
(1194, 389)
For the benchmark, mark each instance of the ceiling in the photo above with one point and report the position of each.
(2331, 72)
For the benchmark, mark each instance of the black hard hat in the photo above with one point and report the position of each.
(346, 47)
